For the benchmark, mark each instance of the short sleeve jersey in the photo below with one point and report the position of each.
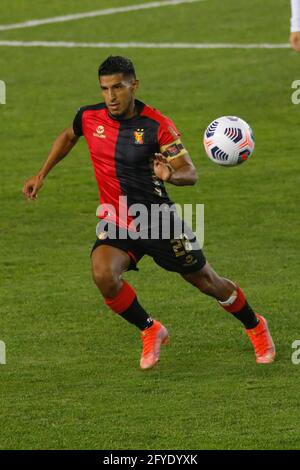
(122, 153)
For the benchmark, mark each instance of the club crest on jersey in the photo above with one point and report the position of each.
(100, 132)
(139, 136)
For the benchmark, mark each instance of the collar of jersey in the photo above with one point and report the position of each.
(139, 106)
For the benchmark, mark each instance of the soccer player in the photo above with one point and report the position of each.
(135, 150)
(295, 25)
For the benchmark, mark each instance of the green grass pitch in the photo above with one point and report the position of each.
(72, 379)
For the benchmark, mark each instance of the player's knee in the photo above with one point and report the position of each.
(215, 286)
(204, 280)
(107, 281)
(206, 285)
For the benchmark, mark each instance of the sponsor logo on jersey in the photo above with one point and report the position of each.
(100, 132)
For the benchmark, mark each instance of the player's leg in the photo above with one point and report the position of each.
(228, 294)
(108, 265)
(183, 255)
(231, 297)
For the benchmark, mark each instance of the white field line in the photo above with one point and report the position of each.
(92, 14)
(142, 45)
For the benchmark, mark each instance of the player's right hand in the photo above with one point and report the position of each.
(32, 186)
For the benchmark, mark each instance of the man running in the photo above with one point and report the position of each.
(134, 151)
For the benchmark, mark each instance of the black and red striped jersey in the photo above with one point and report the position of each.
(122, 153)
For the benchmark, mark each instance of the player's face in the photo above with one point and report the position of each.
(118, 93)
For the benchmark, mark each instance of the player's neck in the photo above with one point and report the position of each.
(131, 112)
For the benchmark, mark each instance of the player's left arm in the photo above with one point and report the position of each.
(173, 163)
(179, 171)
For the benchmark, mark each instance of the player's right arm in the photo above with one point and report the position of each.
(60, 149)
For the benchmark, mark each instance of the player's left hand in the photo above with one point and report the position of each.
(295, 41)
(162, 167)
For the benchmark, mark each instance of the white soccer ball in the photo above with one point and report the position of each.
(229, 141)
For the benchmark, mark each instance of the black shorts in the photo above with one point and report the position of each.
(181, 254)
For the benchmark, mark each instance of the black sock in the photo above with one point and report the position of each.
(136, 315)
(247, 317)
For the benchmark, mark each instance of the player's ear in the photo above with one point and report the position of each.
(135, 85)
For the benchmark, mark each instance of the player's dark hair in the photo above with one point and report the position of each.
(117, 64)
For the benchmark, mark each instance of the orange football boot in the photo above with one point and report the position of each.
(262, 342)
(152, 339)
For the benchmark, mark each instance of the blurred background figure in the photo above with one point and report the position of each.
(295, 25)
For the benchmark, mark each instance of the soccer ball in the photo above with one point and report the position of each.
(229, 141)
